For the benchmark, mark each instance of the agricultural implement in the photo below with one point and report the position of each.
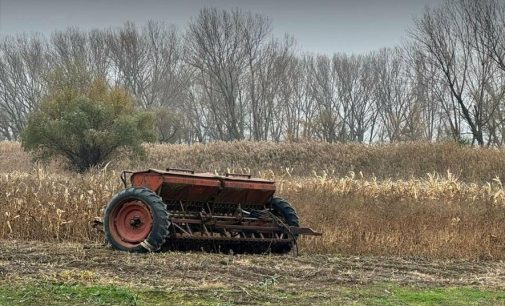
(178, 209)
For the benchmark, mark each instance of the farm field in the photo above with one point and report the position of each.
(49, 273)
(412, 223)
(363, 142)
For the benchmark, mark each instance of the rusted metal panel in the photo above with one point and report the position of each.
(178, 186)
(191, 192)
(244, 196)
(243, 189)
(146, 179)
(184, 185)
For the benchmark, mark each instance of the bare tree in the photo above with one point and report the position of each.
(446, 39)
(329, 124)
(355, 78)
(226, 77)
(230, 49)
(69, 55)
(486, 21)
(440, 114)
(23, 68)
(398, 111)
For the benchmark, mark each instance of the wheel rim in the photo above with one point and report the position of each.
(130, 223)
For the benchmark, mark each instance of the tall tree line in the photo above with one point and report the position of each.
(225, 76)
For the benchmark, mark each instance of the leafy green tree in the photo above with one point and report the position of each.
(86, 125)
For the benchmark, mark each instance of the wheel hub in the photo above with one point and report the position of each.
(136, 222)
(132, 222)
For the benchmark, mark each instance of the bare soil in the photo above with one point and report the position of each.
(22, 260)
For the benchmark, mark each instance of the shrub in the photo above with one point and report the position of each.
(86, 126)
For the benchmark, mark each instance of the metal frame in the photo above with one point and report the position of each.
(217, 209)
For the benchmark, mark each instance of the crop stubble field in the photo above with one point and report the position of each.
(396, 206)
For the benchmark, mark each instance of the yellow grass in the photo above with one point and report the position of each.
(398, 161)
(438, 216)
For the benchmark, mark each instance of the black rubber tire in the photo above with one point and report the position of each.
(159, 214)
(283, 209)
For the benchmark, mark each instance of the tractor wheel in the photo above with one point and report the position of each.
(282, 209)
(136, 220)
(285, 211)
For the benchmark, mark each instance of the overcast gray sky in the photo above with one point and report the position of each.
(321, 26)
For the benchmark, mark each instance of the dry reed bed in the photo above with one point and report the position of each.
(437, 217)
(397, 161)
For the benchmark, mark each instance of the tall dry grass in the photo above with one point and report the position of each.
(396, 161)
(390, 207)
(438, 217)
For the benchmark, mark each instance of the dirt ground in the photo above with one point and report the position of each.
(21, 260)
